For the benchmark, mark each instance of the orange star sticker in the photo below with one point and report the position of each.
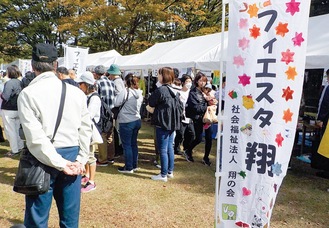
(253, 10)
(287, 93)
(254, 32)
(291, 73)
(282, 29)
(287, 115)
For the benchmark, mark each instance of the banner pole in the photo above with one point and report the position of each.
(220, 117)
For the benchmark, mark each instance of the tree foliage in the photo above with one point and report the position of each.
(128, 26)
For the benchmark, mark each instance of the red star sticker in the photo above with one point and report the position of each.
(244, 79)
(287, 93)
(287, 115)
(298, 39)
(287, 56)
(254, 32)
(279, 139)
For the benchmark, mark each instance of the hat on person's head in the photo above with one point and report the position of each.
(86, 77)
(114, 70)
(100, 69)
(44, 53)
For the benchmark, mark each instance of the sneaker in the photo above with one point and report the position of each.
(102, 163)
(170, 175)
(110, 161)
(84, 180)
(135, 169)
(206, 162)
(157, 165)
(88, 187)
(189, 158)
(124, 170)
(159, 177)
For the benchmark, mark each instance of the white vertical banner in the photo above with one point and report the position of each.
(267, 47)
(76, 58)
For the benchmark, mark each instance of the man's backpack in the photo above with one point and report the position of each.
(105, 122)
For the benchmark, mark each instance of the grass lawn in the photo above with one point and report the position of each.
(134, 200)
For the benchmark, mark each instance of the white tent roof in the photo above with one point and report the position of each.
(95, 59)
(201, 52)
(204, 52)
(317, 54)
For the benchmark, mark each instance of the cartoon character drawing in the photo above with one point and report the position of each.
(247, 129)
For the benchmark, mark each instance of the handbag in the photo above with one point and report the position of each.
(33, 177)
(116, 110)
(210, 115)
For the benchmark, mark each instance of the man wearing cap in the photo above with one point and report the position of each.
(38, 106)
(106, 92)
(119, 93)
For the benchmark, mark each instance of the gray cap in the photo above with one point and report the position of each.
(100, 69)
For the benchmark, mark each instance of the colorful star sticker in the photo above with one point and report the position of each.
(298, 39)
(287, 93)
(242, 174)
(282, 29)
(279, 139)
(244, 43)
(244, 79)
(287, 56)
(238, 61)
(291, 73)
(253, 10)
(292, 7)
(248, 102)
(276, 169)
(254, 32)
(287, 115)
(232, 94)
(243, 23)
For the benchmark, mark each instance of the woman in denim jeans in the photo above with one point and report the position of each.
(167, 120)
(129, 120)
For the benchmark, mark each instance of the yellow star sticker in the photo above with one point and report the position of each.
(291, 73)
(287, 115)
(253, 10)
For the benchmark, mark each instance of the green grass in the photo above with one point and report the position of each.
(185, 201)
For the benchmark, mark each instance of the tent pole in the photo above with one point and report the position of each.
(220, 119)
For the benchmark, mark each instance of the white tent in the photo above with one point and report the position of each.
(98, 58)
(204, 52)
(201, 52)
(317, 54)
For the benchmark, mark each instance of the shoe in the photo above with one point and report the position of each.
(124, 170)
(102, 163)
(88, 187)
(157, 165)
(206, 162)
(159, 177)
(189, 158)
(84, 180)
(135, 169)
(110, 161)
(170, 175)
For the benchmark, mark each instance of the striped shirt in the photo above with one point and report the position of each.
(105, 89)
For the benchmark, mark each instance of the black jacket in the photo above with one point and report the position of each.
(165, 114)
(196, 105)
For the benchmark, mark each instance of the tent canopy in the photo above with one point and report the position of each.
(202, 52)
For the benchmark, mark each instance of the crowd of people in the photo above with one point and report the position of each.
(102, 113)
